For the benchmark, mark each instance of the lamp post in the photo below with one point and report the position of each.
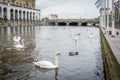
(119, 11)
(108, 15)
(102, 16)
(113, 19)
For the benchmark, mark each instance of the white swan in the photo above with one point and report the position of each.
(47, 64)
(16, 38)
(75, 38)
(90, 37)
(17, 44)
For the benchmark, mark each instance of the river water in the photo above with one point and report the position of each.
(41, 43)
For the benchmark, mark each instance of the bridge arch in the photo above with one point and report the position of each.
(52, 23)
(73, 24)
(62, 24)
(84, 24)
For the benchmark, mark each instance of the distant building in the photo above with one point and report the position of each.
(53, 16)
(19, 10)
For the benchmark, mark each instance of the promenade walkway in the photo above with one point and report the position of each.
(114, 42)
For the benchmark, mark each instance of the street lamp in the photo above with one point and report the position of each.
(108, 15)
(113, 19)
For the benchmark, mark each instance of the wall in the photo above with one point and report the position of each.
(111, 66)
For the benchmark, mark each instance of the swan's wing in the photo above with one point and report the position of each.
(18, 46)
(44, 64)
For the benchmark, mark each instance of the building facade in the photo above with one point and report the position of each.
(22, 3)
(19, 10)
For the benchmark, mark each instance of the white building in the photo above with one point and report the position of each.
(14, 12)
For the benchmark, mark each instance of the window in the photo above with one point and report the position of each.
(17, 3)
(20, 4)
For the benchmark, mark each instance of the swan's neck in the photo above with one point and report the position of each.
(22, 43)
(56, 61)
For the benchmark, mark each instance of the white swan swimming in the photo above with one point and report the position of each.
(47, 64)
(90, 37)
(17, 45)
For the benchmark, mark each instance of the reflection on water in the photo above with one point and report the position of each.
(13, 62)
(25, 32)
(41, 43)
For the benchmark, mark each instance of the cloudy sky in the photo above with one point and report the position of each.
(68, 8)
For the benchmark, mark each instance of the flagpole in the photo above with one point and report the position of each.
(113, 19)
(102, 15)
(108, 15)
(105, 14)
(102, 4)
(119, 12)
(100, 19)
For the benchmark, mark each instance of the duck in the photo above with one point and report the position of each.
(73, 53)
(48, 64)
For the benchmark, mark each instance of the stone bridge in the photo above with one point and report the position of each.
(72, 22)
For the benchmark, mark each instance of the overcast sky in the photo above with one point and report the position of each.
(68, 8)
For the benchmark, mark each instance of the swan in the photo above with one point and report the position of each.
(16, 38)
(75, 38)
(47, 64)
(90, 37)
(17, 44)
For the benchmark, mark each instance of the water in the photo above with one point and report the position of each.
(41, 43)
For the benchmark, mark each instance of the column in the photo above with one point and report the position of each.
(22, 14)
(32, 16)
(35, 16)
(1, 12)
(8, 13)
(29, 15)
(13, 14)
(25, 15)
(18, 15)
